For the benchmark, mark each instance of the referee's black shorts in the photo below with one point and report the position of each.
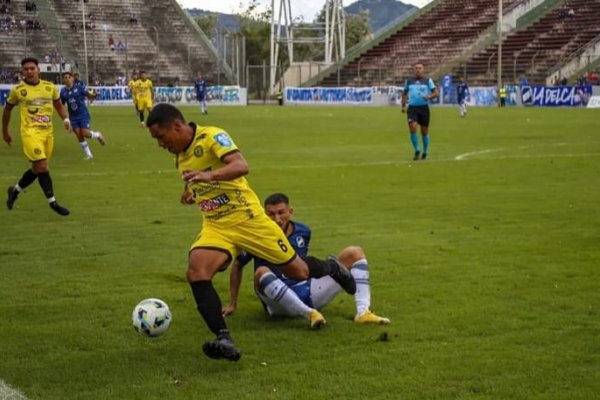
(418, 114)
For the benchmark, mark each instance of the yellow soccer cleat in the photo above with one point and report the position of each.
(369, 318)
(316, 320)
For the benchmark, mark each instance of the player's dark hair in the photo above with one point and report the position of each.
(164, 114)
(67, 73)
(29, 60)
(277, 198)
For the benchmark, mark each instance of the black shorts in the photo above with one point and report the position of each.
(418, 114)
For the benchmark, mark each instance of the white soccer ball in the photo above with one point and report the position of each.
(151, 317)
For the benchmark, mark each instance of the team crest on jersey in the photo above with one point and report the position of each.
(300, 241)
(47, 88)
(23, 92)
(223, 139)
(198, 151)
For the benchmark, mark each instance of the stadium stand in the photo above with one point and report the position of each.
(438, 34)
(529, 53)
(155, 36)
(460, 38)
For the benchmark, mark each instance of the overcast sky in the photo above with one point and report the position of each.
(305, 8)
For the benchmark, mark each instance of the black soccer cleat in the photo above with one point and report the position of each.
(424, 156)
(341, 275)
(12, 197)
(222, 347)
(417, 155)
(60, 210)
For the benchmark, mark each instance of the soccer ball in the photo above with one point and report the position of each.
(151, 317)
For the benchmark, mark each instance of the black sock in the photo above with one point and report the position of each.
(141, 116)
(46, 184)
(318, 268)
(209, 306)
(27, 179)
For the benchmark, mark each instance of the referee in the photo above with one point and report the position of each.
(418, 90)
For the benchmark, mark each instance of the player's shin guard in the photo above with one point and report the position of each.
(362, 297)
(414, 139)
(46, 184)
(425, 144)
(26, 180)
(209, 306)
(279, 292)
(318, 268)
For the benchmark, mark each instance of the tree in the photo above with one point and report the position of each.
(207, 24)
(358, 28)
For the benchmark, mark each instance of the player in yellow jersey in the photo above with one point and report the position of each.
(37, 98)
(132, 85)
(145, 95)
(213, 170)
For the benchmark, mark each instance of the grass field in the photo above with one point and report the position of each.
(485, 257)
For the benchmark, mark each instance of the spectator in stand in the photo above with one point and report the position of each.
(564, 81)
(73, 26)
(111, 42)
(571, 13)
(121, 46)
(592, 78)
(133, 19)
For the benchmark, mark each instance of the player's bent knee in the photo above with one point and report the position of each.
(296, 272)
(260, 271)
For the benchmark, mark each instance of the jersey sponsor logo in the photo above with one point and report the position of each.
(223, 139)
(37, 102)
(41, 119)
(37, 151)
(214, 203)
(34, 111)
(203, 188)
(198, 151)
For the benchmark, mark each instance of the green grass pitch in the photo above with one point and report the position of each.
(485, 257)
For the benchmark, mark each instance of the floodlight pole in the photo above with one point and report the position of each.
(499, 45)
(85, 51)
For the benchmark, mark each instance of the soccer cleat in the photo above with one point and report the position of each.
(222, 347)
(341, 275)
(101, 139)
(88, 157)
(12, 197)
(142, 124)
(417, 155)
(60, 210)
(424, 156)
(317, 321)
(369, 318)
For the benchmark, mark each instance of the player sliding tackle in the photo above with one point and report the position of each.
(282, 296)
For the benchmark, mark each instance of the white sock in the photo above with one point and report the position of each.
(18, 188)
(362, 297)
(276, 290)
(95, 135)
(86, 148)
